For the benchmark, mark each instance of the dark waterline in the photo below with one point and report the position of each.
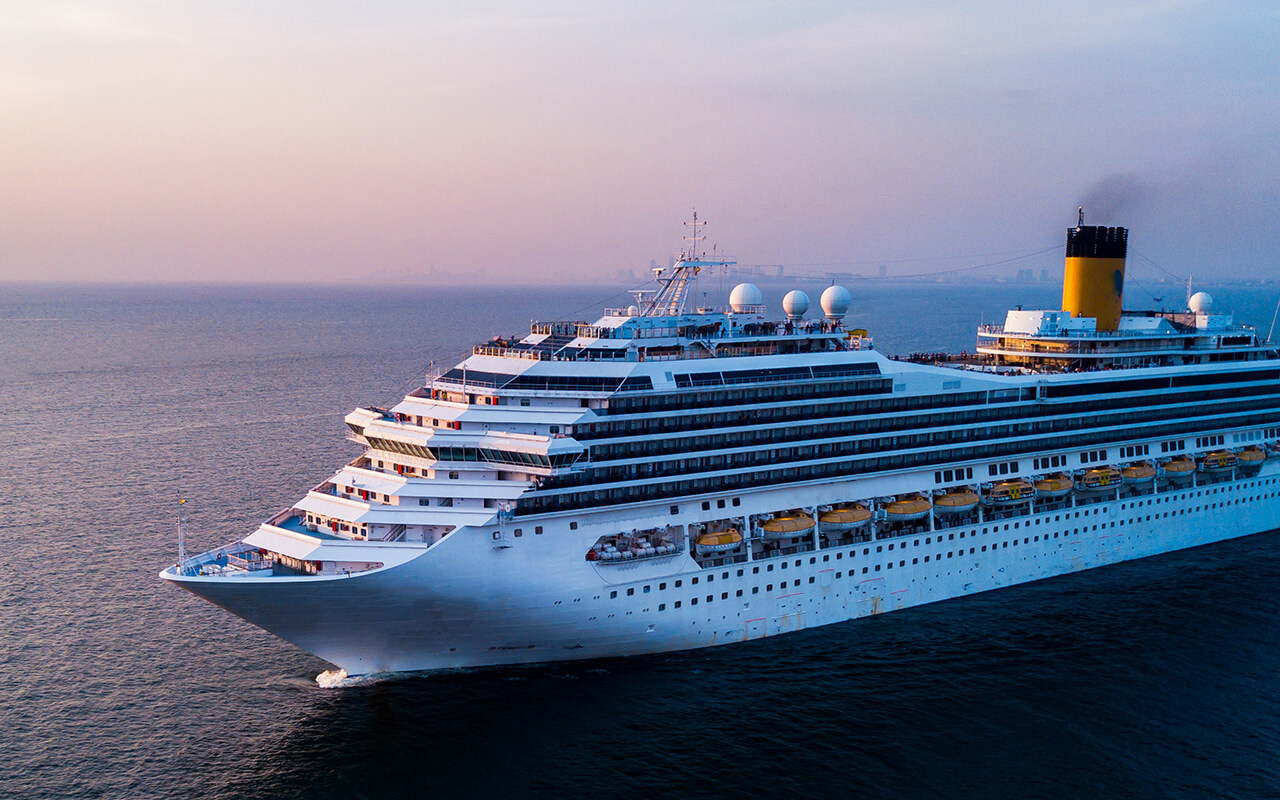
(1150, 679)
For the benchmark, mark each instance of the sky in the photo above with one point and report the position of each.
(564, 142)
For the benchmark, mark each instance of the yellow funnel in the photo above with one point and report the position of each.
(1093, 285)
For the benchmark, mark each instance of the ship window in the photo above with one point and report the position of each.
(706, 505)
(519, 532)
(678, 584)
(424, 501)
(877, 567)
(693, 601)
(677, 604)
(675, 510)
(537, 529)
(769, 588)
(613, 595)
(694, 581)
(573, 526)
(739, 593)
(662, 606)
(646, 590)
(737, 501)
(755, 590)
(755, 570)
(720, 504)
(631, 591)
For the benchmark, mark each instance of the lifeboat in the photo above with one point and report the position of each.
(1138, 472)
(956, 501)
(1219, 461)
(1179, 469)
(1099, 479)
(1251, 458)
(718, 542)
(843, 519)
(907, 508)
(787, 525)
(1010, 493)
(1054, 486)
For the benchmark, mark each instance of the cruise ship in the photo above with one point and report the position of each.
(670, 477)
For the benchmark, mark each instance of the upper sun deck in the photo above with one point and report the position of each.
(706, 334)
(1056, 341)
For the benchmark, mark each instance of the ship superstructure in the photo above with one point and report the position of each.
(667, 478)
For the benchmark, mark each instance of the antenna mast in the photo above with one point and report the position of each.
(182, 546)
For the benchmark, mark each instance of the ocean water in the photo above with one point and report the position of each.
(1158, 678)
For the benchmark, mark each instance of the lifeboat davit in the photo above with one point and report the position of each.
(1179, 469)
(956, 501)
(787, 525)
(1100, 479)
(718, 542)
(843, 519)
(1251, 458)
(1219, 461)
(1138, 472)
(1054, 486)
(1011, 493)
(907, 508)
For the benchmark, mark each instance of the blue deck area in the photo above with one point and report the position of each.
(295, 524)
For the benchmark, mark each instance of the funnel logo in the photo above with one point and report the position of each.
(1117, 277)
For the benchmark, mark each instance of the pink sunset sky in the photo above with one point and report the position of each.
(323, 142)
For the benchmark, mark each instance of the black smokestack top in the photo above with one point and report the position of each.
(1093, 241)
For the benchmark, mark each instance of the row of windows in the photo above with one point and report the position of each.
(540, 502)
(1050, 462)
(952, 475)
(474, 454)
(1210, 441)
(751, 455)
(699, 420)
(1093, 456)
(965, 426)
(1003, 468)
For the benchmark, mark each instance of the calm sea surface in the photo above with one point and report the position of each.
(1156, 679)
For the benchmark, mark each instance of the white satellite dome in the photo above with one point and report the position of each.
(795, 303)
(835, 302)
(633, 310)
(744, 296)
(1201, 302)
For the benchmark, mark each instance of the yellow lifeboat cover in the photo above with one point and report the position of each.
(908, 505)
(846, 515)
(1253, 454)
(965, 497)
(1055, 483)
(1139, 471)
(730, 536)
(789, 524)
(1180, 464)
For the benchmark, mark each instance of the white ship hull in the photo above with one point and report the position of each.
(463, 603)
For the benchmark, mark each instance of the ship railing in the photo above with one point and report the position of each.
(251, 561)
(722, 561)
(790, 550)
(509, 352)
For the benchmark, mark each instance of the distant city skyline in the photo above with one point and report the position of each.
(490, 142)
